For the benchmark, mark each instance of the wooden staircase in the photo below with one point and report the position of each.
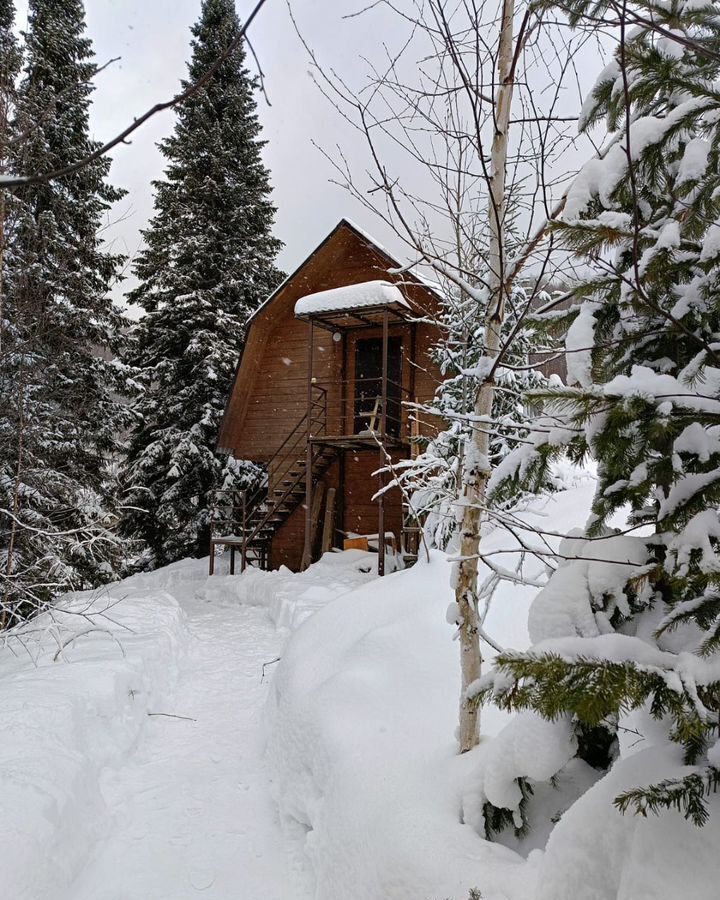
(265, 519)
(247, 521)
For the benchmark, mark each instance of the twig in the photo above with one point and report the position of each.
(74, 637)
(40, 178)
(173, 716)
(270, 663)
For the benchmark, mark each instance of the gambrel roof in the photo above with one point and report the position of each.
(347, 256)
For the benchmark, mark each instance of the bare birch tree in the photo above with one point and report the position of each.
(477, 461)
(470, 156)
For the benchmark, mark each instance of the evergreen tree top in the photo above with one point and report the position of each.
(56, 42)
(7, 17)
(54, 111)
(10, 56)
(210, 241)
(217, 27)
(228, 96)
(58, 222)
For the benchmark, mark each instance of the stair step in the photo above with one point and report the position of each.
(273, 509)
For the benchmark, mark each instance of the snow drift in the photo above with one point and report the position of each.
(361, 724)
(362, 718)
(76, 690)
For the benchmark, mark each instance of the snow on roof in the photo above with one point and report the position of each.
(411, 270)
(427, 282)
(352, 296)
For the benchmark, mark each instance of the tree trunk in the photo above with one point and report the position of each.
(476, 463)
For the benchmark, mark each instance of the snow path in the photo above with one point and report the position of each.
(191, 808)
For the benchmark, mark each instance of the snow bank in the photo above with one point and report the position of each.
(596, 853)
(362, 719)
(290, 597)
(361, 742)
(65, 714)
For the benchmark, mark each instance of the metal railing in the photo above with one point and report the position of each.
(243, 516)
(355, 407)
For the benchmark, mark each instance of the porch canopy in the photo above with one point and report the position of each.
(370, 303)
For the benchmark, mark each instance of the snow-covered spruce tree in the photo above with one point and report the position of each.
(435, 475)
(627, 633)
(10, 63)
(207, 264)
(60, 418)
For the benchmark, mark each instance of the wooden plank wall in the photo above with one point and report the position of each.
(269, 394)
(357, 512)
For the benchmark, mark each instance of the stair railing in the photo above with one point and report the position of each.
(257, 507)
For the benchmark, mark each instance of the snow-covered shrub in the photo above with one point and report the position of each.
(626, 636)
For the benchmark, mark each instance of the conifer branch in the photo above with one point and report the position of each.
(686, 795)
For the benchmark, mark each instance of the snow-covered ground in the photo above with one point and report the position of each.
(274, 735)
(133, 761)
(132, 768)
(362, 721)
(191, 812)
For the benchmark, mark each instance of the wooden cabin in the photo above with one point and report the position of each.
(322, 398)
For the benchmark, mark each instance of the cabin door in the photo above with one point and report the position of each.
(368, 385)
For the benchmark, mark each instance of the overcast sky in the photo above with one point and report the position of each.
(152, 38)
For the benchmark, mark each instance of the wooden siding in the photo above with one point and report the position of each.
(269, 394)
(361, 511)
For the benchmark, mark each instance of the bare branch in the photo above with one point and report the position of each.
(12, 181)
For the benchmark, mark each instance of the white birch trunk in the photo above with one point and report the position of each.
(476, 471)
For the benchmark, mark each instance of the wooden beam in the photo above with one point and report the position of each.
(383, 432)
(328, 532)
(315, 520)
(307, 553)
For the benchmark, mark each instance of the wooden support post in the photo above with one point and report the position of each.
(413, 363)
(243, 552)
(211, 558)
(329, 522)
(232, 559)
(316, 519)
(383, 433)
(414, 435)
(344, 386)
(340, 512)
(307, 554)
